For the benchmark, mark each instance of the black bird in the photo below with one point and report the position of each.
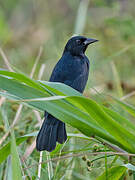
(73, 70)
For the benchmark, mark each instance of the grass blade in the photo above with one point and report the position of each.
(114, 173)
(16, 167)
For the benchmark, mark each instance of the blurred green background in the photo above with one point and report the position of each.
(25, 26)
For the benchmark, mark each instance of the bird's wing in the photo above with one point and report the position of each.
(80, 81)
(58, 73)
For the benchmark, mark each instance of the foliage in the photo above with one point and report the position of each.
(101, 121)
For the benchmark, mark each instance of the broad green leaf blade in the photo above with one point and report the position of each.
(114, 173)
(9, 96)
(48, 87)
(60, 89)
(22, 78)
(120, 119)
(16, 167)
(5, 150)
(8, 169)
(42, 99)
(78, 136)
(60, 109)
(128, 107)
(94, 122)
(129, 166)
(15, 88)
(106, 122)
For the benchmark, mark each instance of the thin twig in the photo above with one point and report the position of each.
(40, 163)
(37, 114)
(117, 79)
(39, 119)
(49, 166)
(113, 147)
(13, 124)
(29, 150)
(2, 99)
(29, 175)
(40, 160)
(4, 137)
(6, 60)
(36, 62)
(17, 116)
(82, 154)
(41, 71)
(128, 95)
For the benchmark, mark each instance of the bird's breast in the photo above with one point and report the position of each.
(78, 66)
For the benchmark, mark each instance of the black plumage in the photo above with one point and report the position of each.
(73, 70)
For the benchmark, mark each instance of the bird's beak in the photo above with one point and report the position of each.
(90, 41)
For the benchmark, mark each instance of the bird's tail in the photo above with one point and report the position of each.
(52, 130)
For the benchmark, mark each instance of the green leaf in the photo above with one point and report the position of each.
(60, 89)
(114, 173)
(128, 107)
(78, 136)
(9, 96)
(120, 119)
(48, 87)
(5, 150)
(16, 166)
(61, 109)
(81, 113)
(106, 122)
(129, 166)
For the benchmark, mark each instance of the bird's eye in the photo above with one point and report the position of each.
(78, 41)
(83, 43)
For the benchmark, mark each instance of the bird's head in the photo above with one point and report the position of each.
(77, 45)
